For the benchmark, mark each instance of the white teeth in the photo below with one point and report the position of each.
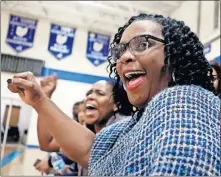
(89, 106)
(131, 74)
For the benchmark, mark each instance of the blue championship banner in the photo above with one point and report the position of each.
(61, 41)
(97, 48)
(21, 32)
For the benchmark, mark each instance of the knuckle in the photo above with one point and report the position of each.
(33, 86)
(30, 73)
(17, 80)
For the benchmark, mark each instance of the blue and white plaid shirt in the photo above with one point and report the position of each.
(178, 134)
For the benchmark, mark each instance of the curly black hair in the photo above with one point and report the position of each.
(121, 99)
(184, 56)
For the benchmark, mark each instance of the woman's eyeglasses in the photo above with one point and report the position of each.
(137, 46)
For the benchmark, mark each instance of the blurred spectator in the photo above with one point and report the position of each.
(75, 110)
(217, 77)
(81, 117)
(102, 105)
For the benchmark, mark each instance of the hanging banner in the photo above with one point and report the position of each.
(61, 41)
(97, 48)
(21, 32)
(207, 49)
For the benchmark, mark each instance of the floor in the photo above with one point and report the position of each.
(19, 160)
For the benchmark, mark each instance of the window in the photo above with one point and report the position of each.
(17, 64)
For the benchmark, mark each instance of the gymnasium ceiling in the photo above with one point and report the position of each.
(105, 16)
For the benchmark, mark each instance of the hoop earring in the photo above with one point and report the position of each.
(173, 77)
(124, 87)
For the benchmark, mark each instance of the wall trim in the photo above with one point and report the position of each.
(73, 76)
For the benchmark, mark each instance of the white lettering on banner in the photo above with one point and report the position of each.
(69, 34)
(101, 37)
(97, 57)
(97, 40)
(19, 42)
(20, 38)
(59, 48)
(68, 30)
(27, 21)
(96, 53)
(23, 25)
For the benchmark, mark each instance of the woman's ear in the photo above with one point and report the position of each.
(115, 107)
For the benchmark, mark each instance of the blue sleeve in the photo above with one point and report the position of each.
(66, 159)
(187, 142)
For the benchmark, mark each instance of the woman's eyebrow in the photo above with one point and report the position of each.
(88, 92)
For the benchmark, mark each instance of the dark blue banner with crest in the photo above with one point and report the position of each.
(21, 32)
(61, 41)
(97, 48)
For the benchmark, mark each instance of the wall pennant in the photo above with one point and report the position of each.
(97, 48)
(21, 32)
(61, 41)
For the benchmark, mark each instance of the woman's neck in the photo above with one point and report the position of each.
(98, 128)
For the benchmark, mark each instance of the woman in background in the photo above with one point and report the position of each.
(217, 78)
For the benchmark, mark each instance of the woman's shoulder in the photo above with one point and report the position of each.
(186, 94)
(190, 90)
(182, 103)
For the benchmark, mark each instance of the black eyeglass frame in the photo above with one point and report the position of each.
(124, 46)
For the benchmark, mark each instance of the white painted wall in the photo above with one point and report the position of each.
(67, 92)
(8, 98)
(215, 50)
(64, 98)
(207, 30)
(188, 12)
(207, 19)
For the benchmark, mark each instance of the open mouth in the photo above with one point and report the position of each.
(134, 75)
(134, 79)
(90, 107)
(90, 110)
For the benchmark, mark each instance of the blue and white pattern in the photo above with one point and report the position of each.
(61, 41)
(97, 48)
(21, 32)
(178, 134)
